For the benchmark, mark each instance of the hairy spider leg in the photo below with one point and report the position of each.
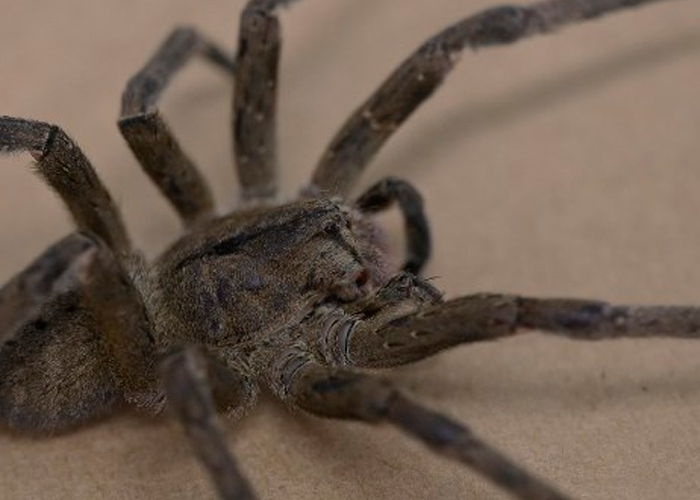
(62, 164)
(150, 138)
(374, 122)
(381, 196)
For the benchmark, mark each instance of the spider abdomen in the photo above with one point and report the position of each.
(56, 374)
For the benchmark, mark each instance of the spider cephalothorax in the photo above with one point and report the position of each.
(297, 297)
(246, 276)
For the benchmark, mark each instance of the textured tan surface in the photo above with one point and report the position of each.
(568, 165)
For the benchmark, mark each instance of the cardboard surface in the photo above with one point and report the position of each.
(563, 166)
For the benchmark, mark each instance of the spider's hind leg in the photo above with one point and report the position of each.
(57, 270)
(148, 135)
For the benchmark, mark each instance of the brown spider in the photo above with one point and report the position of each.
(45, 295)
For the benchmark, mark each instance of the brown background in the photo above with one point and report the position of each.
(567, 165)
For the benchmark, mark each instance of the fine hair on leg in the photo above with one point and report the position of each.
(415, 80)
(148, 135)
(64, 167)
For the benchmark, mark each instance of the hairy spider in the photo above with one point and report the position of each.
(347, 283)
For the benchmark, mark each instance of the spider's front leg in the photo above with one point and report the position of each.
(415, 80)
(148, 135)
(345, 394)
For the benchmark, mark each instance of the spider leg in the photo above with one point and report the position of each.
(255, 99)
(344, 394)
(381, 195)
(189, 395)
(66, 169)
(366, 131)
(148, 135)
(401, 337)
(59, 268)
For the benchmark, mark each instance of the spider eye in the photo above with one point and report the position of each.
(362, 278)
(335, 227)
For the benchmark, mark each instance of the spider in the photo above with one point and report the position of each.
(362, 294)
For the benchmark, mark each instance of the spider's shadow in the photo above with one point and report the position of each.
(587, 382)
(586, 387)
(355, 455)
